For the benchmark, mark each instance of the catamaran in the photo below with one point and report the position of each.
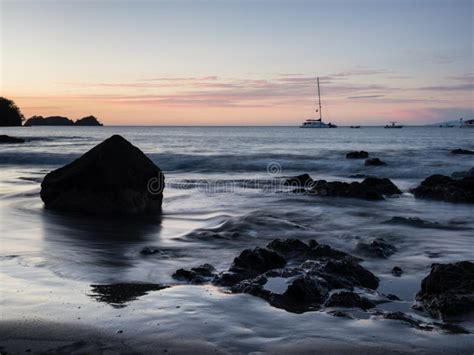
(317, 123)
(393, 125)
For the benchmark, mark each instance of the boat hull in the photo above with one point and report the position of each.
(318, 126)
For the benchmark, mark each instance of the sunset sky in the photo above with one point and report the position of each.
(239, 62)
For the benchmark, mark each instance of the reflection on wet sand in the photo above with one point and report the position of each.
(100, 249)
(118, 295)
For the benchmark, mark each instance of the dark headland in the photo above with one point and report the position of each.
(11, 116)
(62, 121)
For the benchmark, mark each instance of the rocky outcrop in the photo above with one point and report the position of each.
(448, 290)
(357, 155)
(48, 121)
(445, 188)
(88, 121)
(462, 151)
(62, 121)
(293, 275)
(113, 178)
(374, 162)
(4, 139)
(370, 189)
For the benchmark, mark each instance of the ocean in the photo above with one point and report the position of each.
(223, 195)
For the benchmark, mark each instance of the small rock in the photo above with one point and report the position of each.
(4, 139)
(369, 189)
(374, 162)
(397, 271)
(357, 155)
(150, 251)
(462, 151)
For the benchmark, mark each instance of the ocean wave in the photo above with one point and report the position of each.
(413, 166)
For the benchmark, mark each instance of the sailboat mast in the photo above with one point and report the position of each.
(319, 96)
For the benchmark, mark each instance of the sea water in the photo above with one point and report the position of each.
(223, 195)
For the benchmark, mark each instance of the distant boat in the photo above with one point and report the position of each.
(393, 125)
(355, 127)
(446, 125)
(317, 123)
(467, 124)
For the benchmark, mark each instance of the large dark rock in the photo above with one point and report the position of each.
(370, 189)
(256, 261)
(374, 162)
(88, 121)
(113, 178)
(440, 187)
(448, 290)
(49, 121)
(4, 139)
(357, 155)
(462, 151)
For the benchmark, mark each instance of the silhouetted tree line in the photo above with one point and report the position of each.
(10, 114)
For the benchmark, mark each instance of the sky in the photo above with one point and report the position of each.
(239, 62)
